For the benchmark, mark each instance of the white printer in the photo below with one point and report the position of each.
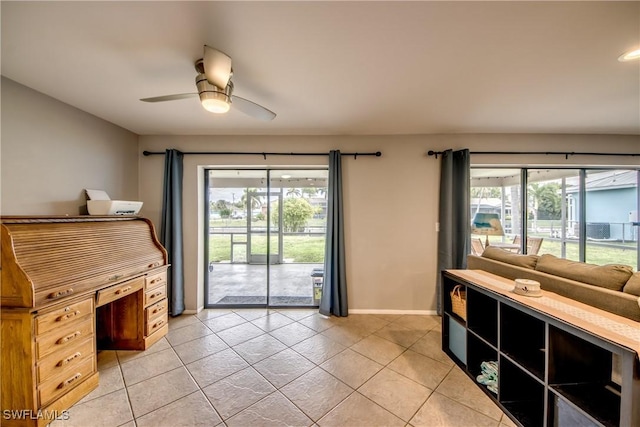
(99, 203)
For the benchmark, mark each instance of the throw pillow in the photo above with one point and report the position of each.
(526, 261)
(610, 276)
(633, 285)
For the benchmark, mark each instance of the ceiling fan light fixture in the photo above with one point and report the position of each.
(215, 102)
(213, 98)
(629, 56)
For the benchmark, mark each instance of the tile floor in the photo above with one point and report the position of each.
(259, 367)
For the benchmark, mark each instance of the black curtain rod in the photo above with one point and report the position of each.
(263, 154)
(566, 154)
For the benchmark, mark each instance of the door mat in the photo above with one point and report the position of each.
(275, 300)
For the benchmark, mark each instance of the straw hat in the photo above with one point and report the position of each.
(526, 287)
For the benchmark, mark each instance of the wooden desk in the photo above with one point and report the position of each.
(71, 285)
(560, 362)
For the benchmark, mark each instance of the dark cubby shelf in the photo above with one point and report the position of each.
(552, 372)
(564, 413)
(523, 339)
(482, 316)
(448, 286)
(478, 351)
(598, 400)
(521, 393)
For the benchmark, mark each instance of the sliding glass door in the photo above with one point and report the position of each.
(265, 237)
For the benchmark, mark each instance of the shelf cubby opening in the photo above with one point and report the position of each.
(521, 394)
(482, 316)
(582, 372)
(601, 402)
(562, 413)
(448, 287)
(456, 336)
(478, 352)
(522, 337)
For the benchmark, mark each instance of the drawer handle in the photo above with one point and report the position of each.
(68, 338)
(69, 359)
(123, 290)
(158, 323)
(60, 294)
(68, 316)
(157, 309)
(69, 381)
(154, 295)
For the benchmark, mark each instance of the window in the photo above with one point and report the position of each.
(553, 223)
(579, 214)
(611, 209)
(496, 192)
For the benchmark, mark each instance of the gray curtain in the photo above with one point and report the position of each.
(454, 214)
(334, 289)
(171, 230)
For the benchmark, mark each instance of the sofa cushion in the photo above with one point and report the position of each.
(633, 285)
(526, 261)
(610, 276)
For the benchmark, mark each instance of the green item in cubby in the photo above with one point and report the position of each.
(489, 376)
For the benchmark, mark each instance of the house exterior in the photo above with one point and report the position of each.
(611, 205)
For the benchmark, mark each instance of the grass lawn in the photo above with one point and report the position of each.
(597, 252)
(301, 248)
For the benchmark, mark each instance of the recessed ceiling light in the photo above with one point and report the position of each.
(286, 176)
(629, 56)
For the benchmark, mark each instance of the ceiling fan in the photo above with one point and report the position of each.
(215, 87)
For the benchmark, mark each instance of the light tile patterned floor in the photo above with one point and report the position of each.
(259, 367)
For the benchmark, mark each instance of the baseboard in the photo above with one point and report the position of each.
(373, 311)
(361, 311)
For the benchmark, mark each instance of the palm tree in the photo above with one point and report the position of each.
(294, 192)
(535, 192)
(256, 201)
(309, 192)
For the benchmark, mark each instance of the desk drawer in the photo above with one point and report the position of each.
(64, 337)
(157, 309)
(67, 380)
(156, 324)
(112, 293)
(63, 316)
(154, 295)
(155, 280)
(69, 358)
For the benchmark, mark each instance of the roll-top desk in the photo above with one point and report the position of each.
(71, 285)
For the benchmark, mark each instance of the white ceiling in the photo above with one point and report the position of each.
(338, 68)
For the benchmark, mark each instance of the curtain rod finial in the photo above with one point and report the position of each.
(378, 154)
(146, 153)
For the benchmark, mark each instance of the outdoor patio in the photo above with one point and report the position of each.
(246, 284)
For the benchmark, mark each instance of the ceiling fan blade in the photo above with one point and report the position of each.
(217, 67)
(252, 109)
(169, 97)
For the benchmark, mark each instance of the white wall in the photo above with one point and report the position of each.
(51, 152)
(391, 202)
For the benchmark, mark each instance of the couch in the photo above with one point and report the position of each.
(614, 288)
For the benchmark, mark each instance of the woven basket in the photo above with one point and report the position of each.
(459, 301)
